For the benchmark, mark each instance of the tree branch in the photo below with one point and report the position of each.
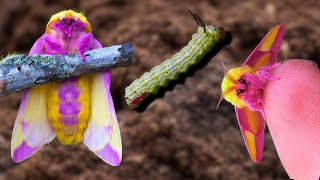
(20, 71)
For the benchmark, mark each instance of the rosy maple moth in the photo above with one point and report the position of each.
(159, 76)
(243, 87)
(76, 110)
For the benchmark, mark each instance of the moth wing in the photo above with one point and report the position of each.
(102, 135)
(267, 50)
(252, 125)
(32, 128)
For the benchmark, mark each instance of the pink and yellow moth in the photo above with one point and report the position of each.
(243, 87)
(79, 109)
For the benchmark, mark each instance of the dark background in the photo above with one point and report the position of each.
(179, 136)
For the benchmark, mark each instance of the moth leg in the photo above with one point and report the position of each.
(52, 46)
(265, 72)
(83, 44)
(38, 47)
(95, 44)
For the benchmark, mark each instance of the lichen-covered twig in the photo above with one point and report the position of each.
(18, 72)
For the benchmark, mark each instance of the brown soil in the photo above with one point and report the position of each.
(179, 136)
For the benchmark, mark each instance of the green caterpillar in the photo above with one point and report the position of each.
(159, 76)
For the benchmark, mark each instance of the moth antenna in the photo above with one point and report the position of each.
(228, 90)
(201, 22)
(222, 96)
(195, 18)
(230, 77)
(224, 68)
(225, 72)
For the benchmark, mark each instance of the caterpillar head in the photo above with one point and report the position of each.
(214, 32)
(68, 23)
(209, 30)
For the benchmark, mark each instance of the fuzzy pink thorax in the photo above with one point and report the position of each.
(250, 87)
(68, 35)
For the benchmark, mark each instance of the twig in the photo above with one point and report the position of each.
(18, 72)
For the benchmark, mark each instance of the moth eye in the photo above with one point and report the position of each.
(242, 81)
(239, 91)
(63, 21)
(72, 21)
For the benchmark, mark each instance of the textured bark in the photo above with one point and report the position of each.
(18, 72)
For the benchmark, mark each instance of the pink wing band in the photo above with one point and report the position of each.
(22, 152)
(109, 155)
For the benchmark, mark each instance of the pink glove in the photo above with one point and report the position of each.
(292, 108)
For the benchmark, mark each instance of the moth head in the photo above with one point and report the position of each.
(68, 22)
(234, 85)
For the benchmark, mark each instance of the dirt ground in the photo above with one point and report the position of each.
(179, 136)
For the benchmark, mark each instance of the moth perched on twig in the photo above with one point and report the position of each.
(18, 71)
(159, 76)
(79, 109)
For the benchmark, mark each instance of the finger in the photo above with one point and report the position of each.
(292, 107)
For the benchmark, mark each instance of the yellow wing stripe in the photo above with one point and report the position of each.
(252, 119)
(17, 137)
(251, 144)
(264, 60)
(270, 38)
(99, 109)
(33, 100)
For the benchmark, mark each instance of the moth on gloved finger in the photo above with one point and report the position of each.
(79, 109)
(243, 87)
